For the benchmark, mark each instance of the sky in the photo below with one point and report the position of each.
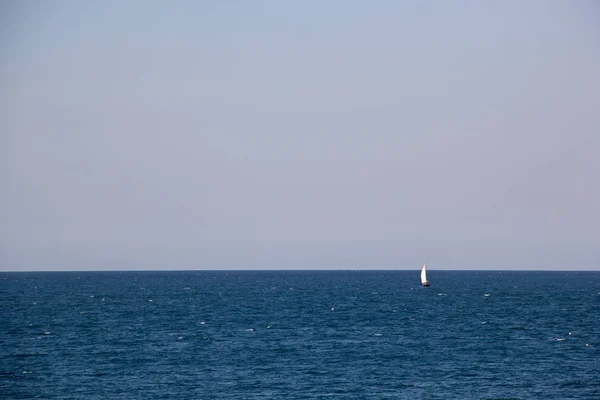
(299, 135)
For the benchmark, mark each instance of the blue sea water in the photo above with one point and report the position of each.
(300, 335)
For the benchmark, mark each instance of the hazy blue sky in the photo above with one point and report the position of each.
(299, 134)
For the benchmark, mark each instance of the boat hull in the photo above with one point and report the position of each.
(425, 284)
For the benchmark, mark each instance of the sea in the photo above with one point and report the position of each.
(300, 335)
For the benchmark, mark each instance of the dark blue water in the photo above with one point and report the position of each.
(300, 335)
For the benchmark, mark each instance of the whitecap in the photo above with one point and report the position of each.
(486, 295)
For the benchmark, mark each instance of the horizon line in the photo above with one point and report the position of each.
(302, 270)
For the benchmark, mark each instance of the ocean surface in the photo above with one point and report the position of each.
(300, 335)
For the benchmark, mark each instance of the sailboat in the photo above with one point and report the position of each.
(424, 280)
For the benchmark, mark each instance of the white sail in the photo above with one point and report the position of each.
(424, 275)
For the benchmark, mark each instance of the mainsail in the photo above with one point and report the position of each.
(424, 281)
